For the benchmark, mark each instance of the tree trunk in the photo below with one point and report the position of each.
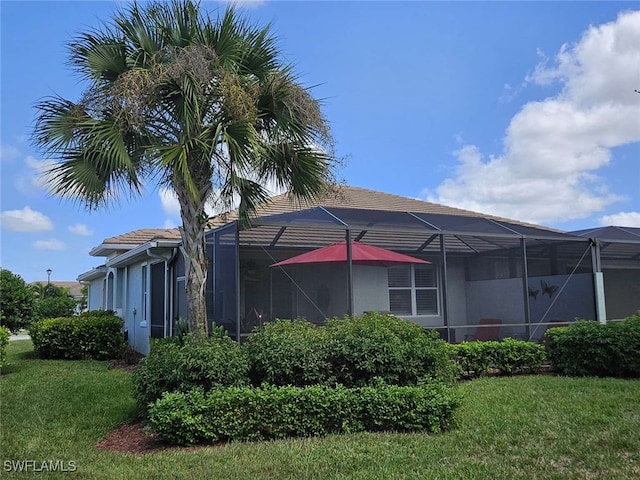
(193, 250)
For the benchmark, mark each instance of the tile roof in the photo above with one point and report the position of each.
(363, 199)
(143, 235)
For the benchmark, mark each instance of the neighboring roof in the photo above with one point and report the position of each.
(75, 288)
(130, 240)
(361, 199)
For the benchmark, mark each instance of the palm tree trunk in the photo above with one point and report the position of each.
(193, 250)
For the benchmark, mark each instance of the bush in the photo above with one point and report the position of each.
(508, 357)
(594, 349)
(354, 351)
(92, 335)
(288, 352)
(4, 341)
(55, 307)
(180, 364)
(18, 301)
(378, 346)
(271, 412)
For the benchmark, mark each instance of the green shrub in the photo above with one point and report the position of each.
(245, 413)
(594, 349)
(93, 335)
(354, 351)
(288, 352)
(17, 301)
(4, 341)
(182, 364)
(378, 346)
(55, 307)
(508, 357)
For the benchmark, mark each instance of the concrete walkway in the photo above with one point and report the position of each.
(19, 337)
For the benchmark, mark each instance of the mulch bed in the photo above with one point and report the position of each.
(132, 438)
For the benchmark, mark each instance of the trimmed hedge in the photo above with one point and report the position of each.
(508, 357)
(180, 364)
(589, 348)
(355, 351)
(91, 335)
(271, 412)
(4, 341)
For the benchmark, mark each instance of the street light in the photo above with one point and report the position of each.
(49, 276)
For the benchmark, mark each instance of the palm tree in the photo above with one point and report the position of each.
(206, 107)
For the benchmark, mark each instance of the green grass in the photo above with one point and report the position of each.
(535, 427)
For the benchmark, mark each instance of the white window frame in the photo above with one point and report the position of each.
(414, 289)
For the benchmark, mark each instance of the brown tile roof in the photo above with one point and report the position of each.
(144, 235)
(75, 288)
(364, 199)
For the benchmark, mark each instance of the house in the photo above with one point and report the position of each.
(483, 273)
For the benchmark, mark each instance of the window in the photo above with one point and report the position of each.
(413, 290)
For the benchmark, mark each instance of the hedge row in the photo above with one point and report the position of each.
(90, 335)
(507, 357)
(4, 341)
(245, 413)
(350, 351)
(181, 365)
(595, 349)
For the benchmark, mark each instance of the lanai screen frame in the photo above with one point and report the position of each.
(355, 224)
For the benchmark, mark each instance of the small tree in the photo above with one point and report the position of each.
(208, 107)
(17, 303)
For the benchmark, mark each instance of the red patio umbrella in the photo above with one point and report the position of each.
(361, 254)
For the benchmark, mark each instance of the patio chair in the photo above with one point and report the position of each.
(487, 329)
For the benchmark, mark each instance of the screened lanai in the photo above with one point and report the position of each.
(486, 278)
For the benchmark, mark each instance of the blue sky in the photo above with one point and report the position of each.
(519, 109)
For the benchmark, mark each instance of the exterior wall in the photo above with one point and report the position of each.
(95, 295)
(456, 292)
(622, 292)
(138, 328)
(370, 289)
(502, 298)
(575, 298)
(325, 285)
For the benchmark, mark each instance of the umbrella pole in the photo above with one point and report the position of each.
(349, 273)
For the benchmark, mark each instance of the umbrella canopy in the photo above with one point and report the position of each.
(361, 254)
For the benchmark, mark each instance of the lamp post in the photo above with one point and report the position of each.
(47, 291)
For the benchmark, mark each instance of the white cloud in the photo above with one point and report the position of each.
(51, 244)
(40, 171)
(25, 220)
(8, 153)
(169, 223)
(250, 4)
(37, 174)
(80, 229)
(622, 219)
(552, 148)
(169, 202)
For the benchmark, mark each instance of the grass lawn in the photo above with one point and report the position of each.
(537, 427)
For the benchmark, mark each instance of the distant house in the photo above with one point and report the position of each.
(484, 274)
